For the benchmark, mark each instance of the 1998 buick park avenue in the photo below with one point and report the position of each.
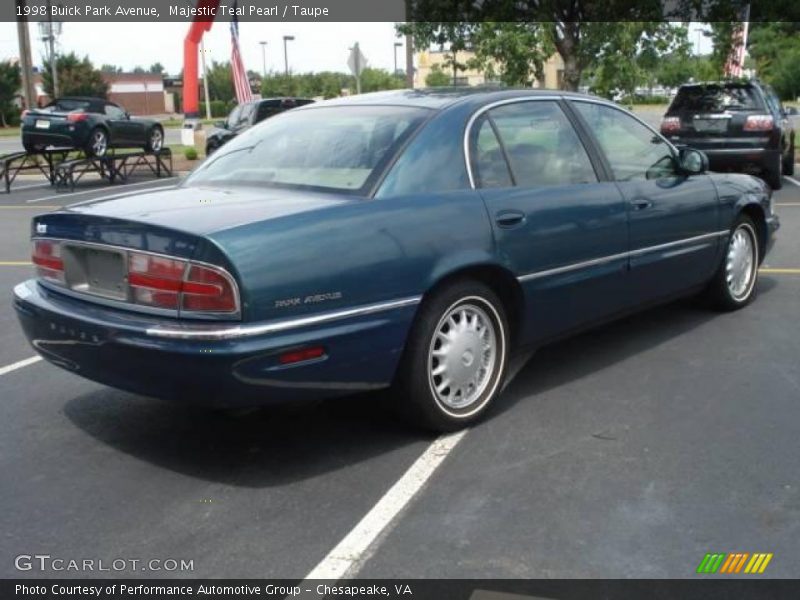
(408, 239)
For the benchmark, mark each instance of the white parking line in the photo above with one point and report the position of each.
(19, 365)
(792, 179)
(100, 189)
(350, 553)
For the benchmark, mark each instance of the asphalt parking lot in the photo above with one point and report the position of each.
(630, 451)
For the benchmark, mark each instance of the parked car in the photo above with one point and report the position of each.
(411, 239)
(739, 125)
(244, 116)
(90, 124)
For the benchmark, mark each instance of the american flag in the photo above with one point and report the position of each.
(734, 67)
(240, 81)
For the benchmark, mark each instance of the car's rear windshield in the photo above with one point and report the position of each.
(716, 98)
(340, 148)
(68, 105)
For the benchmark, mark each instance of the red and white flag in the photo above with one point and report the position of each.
(734, 67)
(240, 81)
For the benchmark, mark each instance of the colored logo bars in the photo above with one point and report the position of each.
(734, 563)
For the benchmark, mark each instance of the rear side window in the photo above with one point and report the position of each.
(488, 160)
(715, 98)
(541, 145)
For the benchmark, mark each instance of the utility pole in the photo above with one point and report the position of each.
(286, 38)
(409, 61)
(263, 59)
(396, 46)
(25, 61)
(51, 38)
(357, 63)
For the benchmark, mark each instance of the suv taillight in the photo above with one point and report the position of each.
(759, 123)
(47, 259)
(180, 285)
(670, 124)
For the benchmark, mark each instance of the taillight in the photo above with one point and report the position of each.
(75, 117)
(179, 285)
(670, 124)
(47, 259)
(759, 123)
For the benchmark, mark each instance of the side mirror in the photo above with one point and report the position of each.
(693, 161)
(790, 111)
(127, 115)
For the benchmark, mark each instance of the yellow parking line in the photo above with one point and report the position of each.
(781, 271)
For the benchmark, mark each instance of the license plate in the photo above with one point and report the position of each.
(95, 271)
(42, 124)
(711, 125)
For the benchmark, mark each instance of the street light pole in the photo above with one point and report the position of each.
(286, 38)
(51, 40)
(396, 46)
(264, 58)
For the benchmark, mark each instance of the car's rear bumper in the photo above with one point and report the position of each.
(53, 138)
(725, 153)
(206, 363)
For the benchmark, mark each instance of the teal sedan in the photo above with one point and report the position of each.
(410, 240)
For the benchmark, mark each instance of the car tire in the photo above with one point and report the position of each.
(97, 145)
(773, 174)
(472, 318)
(155, 140)
(734, 284)
(788, 166)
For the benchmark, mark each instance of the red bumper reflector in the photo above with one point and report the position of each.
(302, 355)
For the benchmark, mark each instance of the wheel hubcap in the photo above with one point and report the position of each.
(156, 140)
(740, 263)
(99, 145)
(462, 356)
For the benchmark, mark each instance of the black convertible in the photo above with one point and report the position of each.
(90, 124)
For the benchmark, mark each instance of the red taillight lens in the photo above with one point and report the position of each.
(176, 284)
(759, 123)
(75, 117)
(670, 125)
(209, 290)
(47, 258)
(155, 280)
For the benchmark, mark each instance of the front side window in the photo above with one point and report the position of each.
(633, 150)
(541, 145)
(341, 148)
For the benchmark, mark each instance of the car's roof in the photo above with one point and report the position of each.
(82, 98)
(440, 98)
(732, 82)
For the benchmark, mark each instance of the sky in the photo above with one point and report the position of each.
(317, 46)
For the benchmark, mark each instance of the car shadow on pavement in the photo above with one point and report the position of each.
(278, 445)
(575, 357)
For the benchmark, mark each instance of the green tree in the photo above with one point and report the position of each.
(375, 80)
(220, 81)
(775, 50)
(513, 53)
(437, 77)
(76, 77)
(156, 68)
(107, 68)
(9, 88)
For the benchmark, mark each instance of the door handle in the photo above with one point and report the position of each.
(641, 204)
(509, 218)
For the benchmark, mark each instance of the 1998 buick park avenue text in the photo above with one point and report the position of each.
(442, 231)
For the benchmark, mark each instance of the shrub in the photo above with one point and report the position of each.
(190, 153)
